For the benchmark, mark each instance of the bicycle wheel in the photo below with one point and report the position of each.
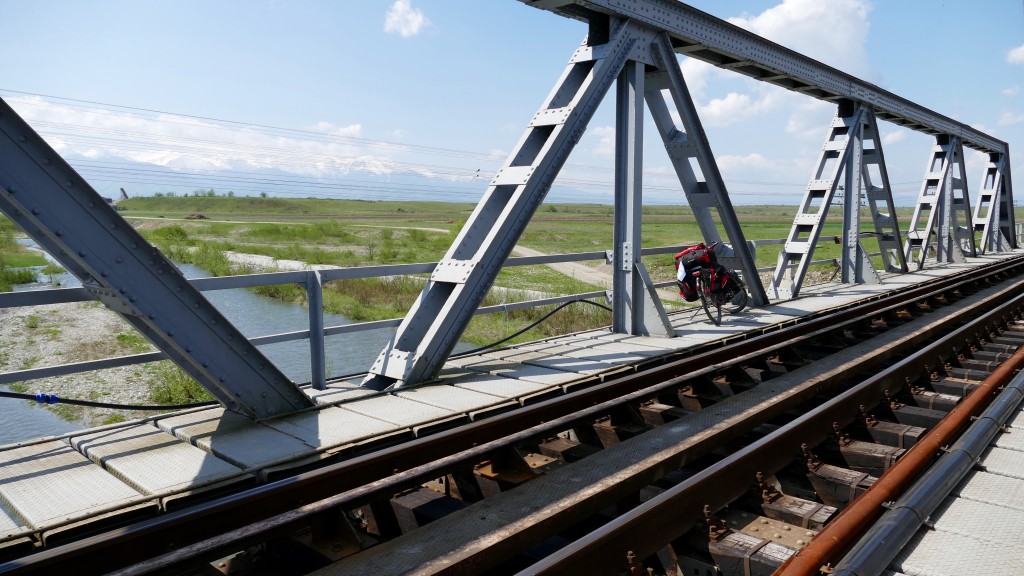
(707, 300)
(739, 300)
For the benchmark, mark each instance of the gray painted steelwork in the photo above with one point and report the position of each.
(879, 199)
(843, 164)
(941, 205)
(689, 142)
(699, 35)
(616, 50)
(49, 201)
(993, 213)
(704, 37)
(461, 280)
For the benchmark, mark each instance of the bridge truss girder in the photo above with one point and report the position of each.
(942, 219)
(43, 195)
(438, 318)
(702, 36)
(993, 212)
(853, 146)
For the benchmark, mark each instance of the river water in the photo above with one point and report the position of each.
(254, 315)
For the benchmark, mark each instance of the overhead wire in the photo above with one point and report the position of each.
(573, 175)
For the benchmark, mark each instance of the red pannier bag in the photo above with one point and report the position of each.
(688, 288)
(692, 258)
(720, 277)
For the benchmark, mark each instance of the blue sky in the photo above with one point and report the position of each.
(424, 99)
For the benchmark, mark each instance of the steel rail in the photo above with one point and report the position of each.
(646, 528)
(844, 530)
(291, 520)
(890, 534)
(145, 540)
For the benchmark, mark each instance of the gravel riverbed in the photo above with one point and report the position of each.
(38, 336)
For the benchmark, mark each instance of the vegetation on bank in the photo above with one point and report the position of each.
(369, 299)
(14, 260)
(201, 227)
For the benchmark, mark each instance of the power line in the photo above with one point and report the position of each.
(316, 136)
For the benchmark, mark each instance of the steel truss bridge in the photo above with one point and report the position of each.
(631, 49)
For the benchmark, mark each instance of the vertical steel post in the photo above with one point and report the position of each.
(317, 349)
(628, 180)
(691, 142)
(631, 301)
(852, 263)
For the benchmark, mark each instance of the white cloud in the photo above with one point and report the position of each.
(750, 161)
(188, 143)
(833, 32)
(404, 20)
(350, 131)
(892, 138)
(733, 108)
(605, 146)
(809, 121)
(1011, 91)
(1011, 118)
(696, 74)
(1016, 56)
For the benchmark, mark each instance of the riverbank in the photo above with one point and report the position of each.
(39, 336)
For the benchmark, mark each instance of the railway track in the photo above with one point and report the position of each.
(617, 474)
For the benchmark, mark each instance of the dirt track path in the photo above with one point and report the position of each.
(600, 276)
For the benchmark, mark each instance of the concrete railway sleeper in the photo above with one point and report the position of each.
(544, 480)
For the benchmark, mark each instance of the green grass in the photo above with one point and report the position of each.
(362, 233)
(171, 385)
(134, 342)
(367, 233)
(13, 258)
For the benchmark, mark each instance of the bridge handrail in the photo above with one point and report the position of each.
(313, 280)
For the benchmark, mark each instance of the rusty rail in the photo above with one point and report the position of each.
(644, 529)
(245, 512)
(844, 531)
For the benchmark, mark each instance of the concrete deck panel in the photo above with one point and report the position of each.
(516, 371)
(992, 489)
(938, 553)
(973, 519)
(10, 523)
(336, 393)
(232, 437)
(501, 387)
(1005, 462)
(153, 461)
(451, 397)
(331, 427)
(402, 412)
(49, 483)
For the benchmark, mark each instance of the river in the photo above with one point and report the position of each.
(254, 315)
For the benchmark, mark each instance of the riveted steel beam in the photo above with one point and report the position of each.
(689, 141)
(942, 204)
(704, 37)
(438, 318)
(43, 195)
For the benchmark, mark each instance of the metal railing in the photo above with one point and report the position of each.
(313, 282)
